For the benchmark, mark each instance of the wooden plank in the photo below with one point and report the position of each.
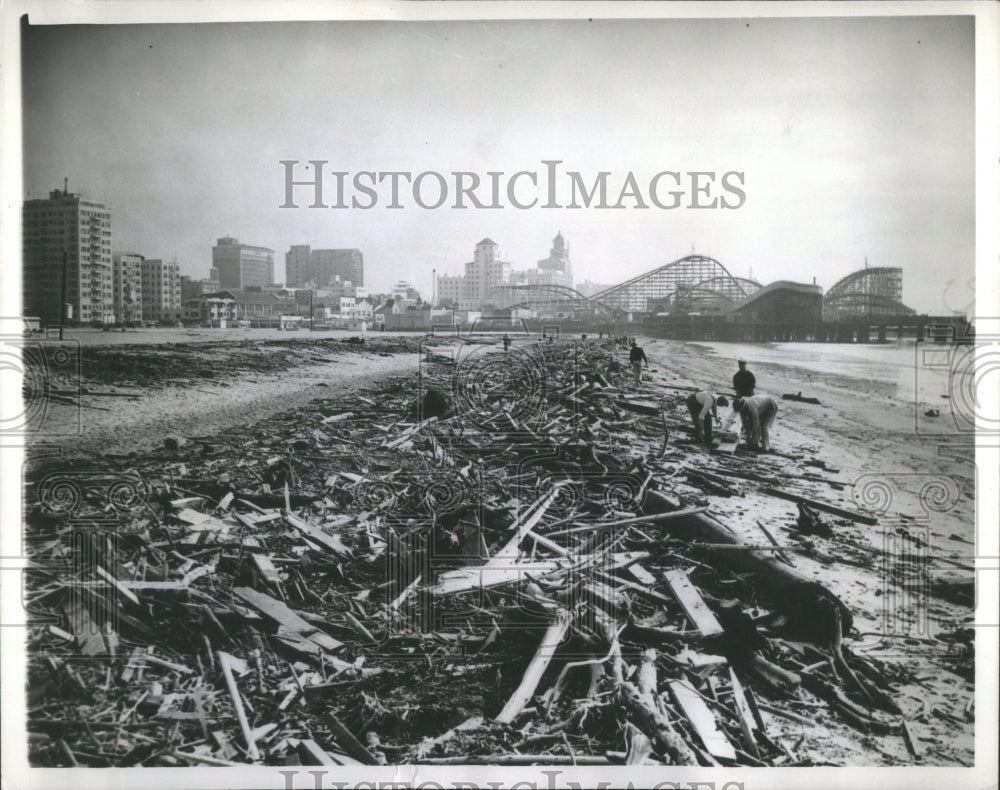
(310, 753)
(502, 568)
(266, 569)
(227, 662)
(654, 518)
(916, 747)
(316, 535)
(649, 408)
(84, 628)
(351, 744)
(861, 518)
(483, 576)
(642, 575)
(747, 723)
(408, 433)
(693, 604)
(781, 554)
(117, 585)
(533, 674)
(703, 720)
(728, 440)
(522, 527)
(280, 613)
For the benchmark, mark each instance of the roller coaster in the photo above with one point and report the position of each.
(874, 291)
(692, 283)
(555, 301)
(700, 284)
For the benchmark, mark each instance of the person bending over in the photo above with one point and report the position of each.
(758, 414)
(702, 407)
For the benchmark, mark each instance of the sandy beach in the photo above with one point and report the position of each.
(860, 440)
(865, 429)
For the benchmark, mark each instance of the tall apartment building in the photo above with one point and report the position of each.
(67, 223)
(320, 268)
(484, 271)
(297, 266)
(126, 286)
(242, 265)
(449, 290)
(161, 290)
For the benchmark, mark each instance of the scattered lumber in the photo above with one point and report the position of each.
(480, 578)
(282, 615)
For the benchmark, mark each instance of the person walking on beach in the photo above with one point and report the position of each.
(637, 358)
(758, 413)
(702, 407)
(506, 341)
(743, 380)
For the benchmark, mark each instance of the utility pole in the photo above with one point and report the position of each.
(62, 297)
(312, 315)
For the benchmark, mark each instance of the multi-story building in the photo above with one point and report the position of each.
(161, 290)
(449, 290)
(483, 272)
(305, 266)
(126, 286)
(297, 266)
(66, 224)
(242, 265)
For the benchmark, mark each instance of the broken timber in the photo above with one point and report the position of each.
(533, 674)
(691, 601)
(861, 518)
(281, 614)
(795, 594)
(703, 720)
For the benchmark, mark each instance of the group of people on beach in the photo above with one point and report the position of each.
(757, 413)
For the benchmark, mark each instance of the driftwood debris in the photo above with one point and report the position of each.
(524, 577)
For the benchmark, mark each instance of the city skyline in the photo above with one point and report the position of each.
(855, 137)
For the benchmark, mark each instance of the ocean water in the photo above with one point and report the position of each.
(927, 371)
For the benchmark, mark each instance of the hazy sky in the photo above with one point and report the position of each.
(855, 137)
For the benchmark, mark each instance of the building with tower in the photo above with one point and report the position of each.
(482, 273)
(557, 267)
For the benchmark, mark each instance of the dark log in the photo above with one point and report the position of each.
(799, 399)
(806, 602)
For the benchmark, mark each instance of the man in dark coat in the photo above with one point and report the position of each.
(637, 358)
(744, 381)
